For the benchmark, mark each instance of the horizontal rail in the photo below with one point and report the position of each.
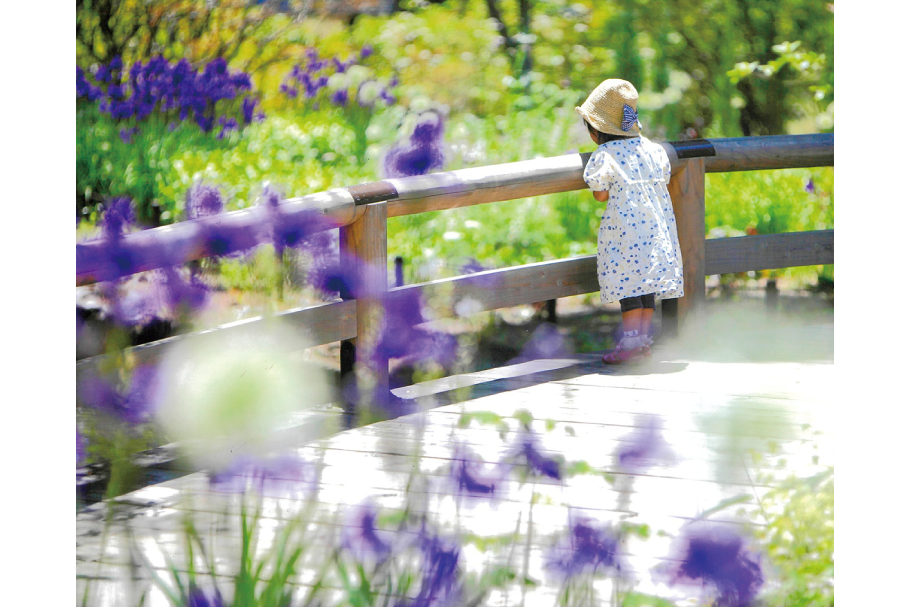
(452, 189)
(508, 287)
(768, 252)
(315, 325)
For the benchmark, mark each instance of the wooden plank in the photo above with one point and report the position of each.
(772, 152)
(512, 286)
(365, 242)
(769, 252)
(322, 324)
(181, 241)
(687, 190)
(479, 185)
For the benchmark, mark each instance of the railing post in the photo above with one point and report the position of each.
(365, 242)
(687, 191)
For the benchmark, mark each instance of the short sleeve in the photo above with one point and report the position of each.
(599, 174)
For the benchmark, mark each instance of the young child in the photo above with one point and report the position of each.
(638, 256)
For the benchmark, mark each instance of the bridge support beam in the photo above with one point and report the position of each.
(687, 191)
(365, 242)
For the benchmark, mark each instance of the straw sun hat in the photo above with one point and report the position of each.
(612, 106)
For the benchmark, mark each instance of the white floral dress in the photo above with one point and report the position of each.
(637, 245)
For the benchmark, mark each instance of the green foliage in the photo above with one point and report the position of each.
(799, 538)
(252, 38)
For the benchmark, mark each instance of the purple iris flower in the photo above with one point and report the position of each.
(108, 254)
(291, 228)
(645, 447)
(126, 135)
(714, 555)
(247, 107)
(538, 463)
(340, 97)
(347, 276)
(422, 153)
(361, 537)
(119, 214)
(80, 447)
(429, 130)
(411, 160)
(102, 74)
(401, 338)
(467, 475)
(191, 295)
(272, 477)
(439, 585)
(585, 549)
(198, 598)
(133, 405)
(203, 201)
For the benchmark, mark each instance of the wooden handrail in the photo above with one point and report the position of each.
(362, 212)
(453, 189)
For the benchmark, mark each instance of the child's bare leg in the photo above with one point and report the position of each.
(631, 320)
(646, 314)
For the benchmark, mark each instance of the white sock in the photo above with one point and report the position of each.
(630, 340)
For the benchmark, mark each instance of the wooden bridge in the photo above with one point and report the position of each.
(759, 391)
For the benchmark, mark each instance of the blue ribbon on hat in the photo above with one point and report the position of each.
(629, 117)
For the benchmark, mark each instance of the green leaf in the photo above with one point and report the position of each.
(524, 416)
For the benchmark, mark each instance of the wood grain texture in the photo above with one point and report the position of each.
(687, 190)
(772, 152)
(365, 242)
(513, 286)
(769, 252)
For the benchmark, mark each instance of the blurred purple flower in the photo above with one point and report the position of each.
(545, 342)
(366, 51)
(361, 538)
(119, 214)
(429, 129)
(347, 276)
(468, 477)
(645, 447)
(203, 201)
(198, 598)
(439, 585)
(133, 405)
(102, 74)
(411, 160)
(272, 477)
(340, 97)
(422, 153)
(190, 296)
(80, 447)
(715, 555)
(584, 550)
(108, 254)
(538, 463)
(401, 338)
(810, 186)
(247, 107)
(289, 229)
(126, 135)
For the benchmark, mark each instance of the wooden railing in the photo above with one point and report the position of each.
(362, 212)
